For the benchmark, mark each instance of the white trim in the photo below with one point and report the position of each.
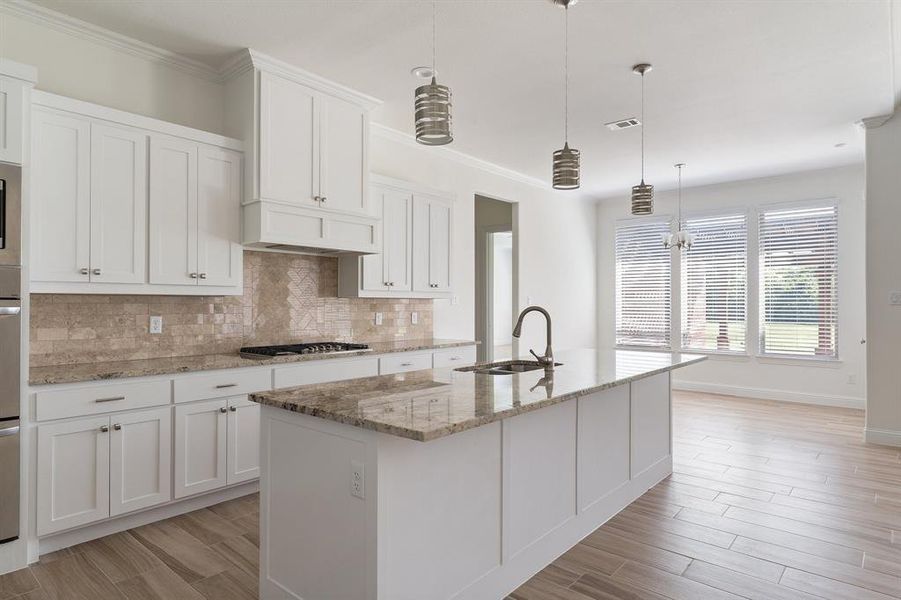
(770, 394)
(105, 37)
(393, 135)
(874, 122)
(883, 437)
(16, 70)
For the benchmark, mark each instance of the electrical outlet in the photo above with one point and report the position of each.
(379, 318)
(454, 300)
(852, 378)
(414, 318)
(529, 301)
(156, 324)
(357, 481)
(894, 298)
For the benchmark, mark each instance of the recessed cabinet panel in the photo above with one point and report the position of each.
(243, 440)
(73, 474)
(219, 258)
(650, 422)
(343, 148)
(432, 235)
(603, 458)
(173, 211)
(140, 460)
(61, 201)
(118, 204)
(289, 141)
(11, 117)
(200, 447)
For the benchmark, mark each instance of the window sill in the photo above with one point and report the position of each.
(800, 361)
(714, 355)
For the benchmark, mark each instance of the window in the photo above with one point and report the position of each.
(714, 284)
(798, 281)
(643, 272)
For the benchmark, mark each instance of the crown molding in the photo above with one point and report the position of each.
(391, 134)
(99, 35)
(874, 122)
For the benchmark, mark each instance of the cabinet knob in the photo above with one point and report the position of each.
(96, 271)
(317, 198)
(223, 410)
(117, 427)
(203, 275)
(323, 199)
(104, 428)
(233, 408)
(193, 275)
(83, 271)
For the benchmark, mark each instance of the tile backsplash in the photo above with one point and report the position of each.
(287, 298)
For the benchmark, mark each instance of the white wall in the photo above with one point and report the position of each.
(883, 215)
(502, 264)
(555, 232)
(778, 379)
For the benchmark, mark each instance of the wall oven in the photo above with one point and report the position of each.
(10, 350)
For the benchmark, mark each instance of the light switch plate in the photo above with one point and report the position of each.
(156, 324)
(378, 318)
(414, 318)
(894, 298)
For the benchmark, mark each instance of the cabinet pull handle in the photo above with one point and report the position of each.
(117, 427)
(84, 271)
(454, 358)
(96, 271)
(104, 428)
(406, 364)
(203, 275)
(223, 410)
(193, 275)
(233, 408)
(113, 399)
(222, 386)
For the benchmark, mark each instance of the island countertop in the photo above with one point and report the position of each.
(430, 404)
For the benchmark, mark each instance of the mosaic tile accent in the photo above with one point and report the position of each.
(287, 298)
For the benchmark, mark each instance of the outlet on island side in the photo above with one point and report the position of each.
(357, 487)
(156, 325)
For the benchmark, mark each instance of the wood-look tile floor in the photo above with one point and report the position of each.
(768, 501)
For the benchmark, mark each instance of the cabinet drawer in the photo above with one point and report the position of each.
(96, 399)
(220, 384)
(454, 357)
(322, 371)
(401, 363)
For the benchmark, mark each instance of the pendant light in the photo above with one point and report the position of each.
(643, 193)
(681, 239)
(566, 160)
(432, 104)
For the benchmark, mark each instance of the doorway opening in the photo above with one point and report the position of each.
(496, 269)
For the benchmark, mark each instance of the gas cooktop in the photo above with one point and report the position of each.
(289, 349)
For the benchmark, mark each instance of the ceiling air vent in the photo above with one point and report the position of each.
(623, 124)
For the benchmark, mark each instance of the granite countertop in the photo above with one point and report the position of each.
(207, 362)
(426, 405)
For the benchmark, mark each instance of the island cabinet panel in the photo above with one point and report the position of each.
(604, 446)
(650, 422)
(437, 499)
(539, 474)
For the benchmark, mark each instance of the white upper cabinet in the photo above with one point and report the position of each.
(127, 204)
(16, 81)
(61, 198)
(307, 174)
(415, 257)
(289, 141)
(432, 235)
(118, 204)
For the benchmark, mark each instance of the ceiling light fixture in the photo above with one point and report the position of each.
(681, 239)
(432, 103)
(643, 193)
(566, 160)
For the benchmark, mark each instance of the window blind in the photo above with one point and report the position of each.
(643, 284)
(798, 288)
(714, 288)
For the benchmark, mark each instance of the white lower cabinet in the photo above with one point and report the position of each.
(140, 460)
(73, 474)
(243, 440)
(200, 441)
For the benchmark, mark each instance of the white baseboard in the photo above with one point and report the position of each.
(770, 394)
(132, 520)
(883, 437)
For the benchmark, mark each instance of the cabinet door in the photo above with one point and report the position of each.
(200, 437)
(343, 155)
(140, 460)
(432, 223)
(243, 440)
(219, 257)
(73, 474)
(118, 204)
(391, 270)
(289, 141)
(11, 120)
(61, 201)
(173, 211)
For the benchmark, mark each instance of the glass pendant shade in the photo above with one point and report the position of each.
(681, 240)
(566, 168)
(433, 114)
(642, 199)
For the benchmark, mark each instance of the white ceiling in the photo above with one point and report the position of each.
(740, 88)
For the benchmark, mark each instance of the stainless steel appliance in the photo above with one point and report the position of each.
(311, 348)
(10, 349)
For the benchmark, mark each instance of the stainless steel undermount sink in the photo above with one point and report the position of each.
(507, 367)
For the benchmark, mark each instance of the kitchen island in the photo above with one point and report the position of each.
(451, 483)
